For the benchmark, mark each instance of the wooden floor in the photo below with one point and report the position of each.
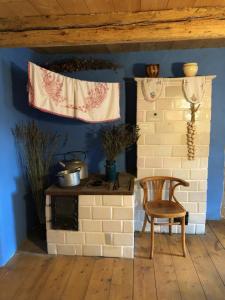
(201, 275)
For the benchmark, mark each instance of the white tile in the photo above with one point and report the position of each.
(91, 225)
(199, 174)
(112, 226)
(85, 212)
(200, 228)
(75, 237)
(92, 250)
(146, 128)
(124, 239)
(172, 162)
(112, 251)
(128, 226)
(181, 173)
(102, 213)
(202, 151)
(162, 150)
(123, 213)
(48, 200)
(190, 206)
(162, 172)
(174, 92)
(113, 200)
(98, 200)
(145, 150)
(128, 252)
(179, 151)
(193, 186)
(66, 249)
(86, 200)
(197, 218)
(140, 162)
(153, 162)
(164, 104)
(128, 201)
(189, 229)
(95, 238)
(202, 207)
(48, 213)
(154, 116)
(48, 225)
(55, 236)
(197, 196)
(190, 164)
(181, 196)
(51, 248)
(141, 116)
(204, 162)
(173, 115)
(141, 173)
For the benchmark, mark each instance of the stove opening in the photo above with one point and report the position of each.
(64, 212)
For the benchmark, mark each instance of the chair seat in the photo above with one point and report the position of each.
(164, 209)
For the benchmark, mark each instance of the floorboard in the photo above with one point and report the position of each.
(215, 251)
(187, 277)
(199, 276)
(211, 282)
(165, 275)
(79, 278)
(100, 281)
(218, 228)
(122, 280)
(144, 280)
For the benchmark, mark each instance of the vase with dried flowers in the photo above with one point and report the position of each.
(116, 139)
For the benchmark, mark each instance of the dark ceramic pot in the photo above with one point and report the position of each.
(110, 170)
(152, 70)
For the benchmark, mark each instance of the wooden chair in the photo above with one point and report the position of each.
(156, 207)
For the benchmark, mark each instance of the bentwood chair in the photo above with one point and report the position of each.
(159, 202)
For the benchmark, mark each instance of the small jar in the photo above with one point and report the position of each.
(190, 69)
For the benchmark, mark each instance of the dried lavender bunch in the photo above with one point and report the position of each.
(36, 149)
(80, 64)
(117, 138)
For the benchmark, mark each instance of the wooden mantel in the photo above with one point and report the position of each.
(142, 27)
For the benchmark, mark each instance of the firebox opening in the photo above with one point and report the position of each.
(64, 212)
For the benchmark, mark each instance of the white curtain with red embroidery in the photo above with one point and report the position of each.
(60, 95)
(194, 88)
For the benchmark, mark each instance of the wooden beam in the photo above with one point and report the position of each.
(143, 27)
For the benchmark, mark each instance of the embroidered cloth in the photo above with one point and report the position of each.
(194, 89)
(64, 96)
(151, 88)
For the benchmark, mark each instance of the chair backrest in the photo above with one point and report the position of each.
(155, 186)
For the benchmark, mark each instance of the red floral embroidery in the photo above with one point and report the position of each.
(53, 86)
(95, 98)
(31, 92)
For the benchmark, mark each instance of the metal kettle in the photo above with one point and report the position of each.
(71, 163)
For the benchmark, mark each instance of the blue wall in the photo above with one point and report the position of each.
(211, 61)
(82, 136)
(13, 79)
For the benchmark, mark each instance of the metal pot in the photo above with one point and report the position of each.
(75, 163)
(69, 178)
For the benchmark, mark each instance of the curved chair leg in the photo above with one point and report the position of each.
(152, 238)
(183, 235)
(170, 227)
(144, 224)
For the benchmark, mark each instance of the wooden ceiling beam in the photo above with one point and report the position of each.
(154, 26)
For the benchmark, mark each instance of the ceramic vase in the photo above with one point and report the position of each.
(152, 70)
(190, 69)
(110, 170)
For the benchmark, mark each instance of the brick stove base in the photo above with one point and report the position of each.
(106, 228)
